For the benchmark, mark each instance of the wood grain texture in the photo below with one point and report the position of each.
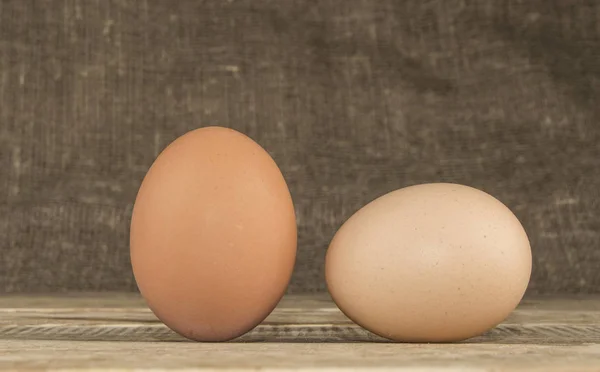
(352, 98)
(116, 331)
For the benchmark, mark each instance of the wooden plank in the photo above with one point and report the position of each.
(118, 331)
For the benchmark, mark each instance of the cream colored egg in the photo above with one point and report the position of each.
(429, 263)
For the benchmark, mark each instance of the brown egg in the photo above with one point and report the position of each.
(429, 263)
(213, 235)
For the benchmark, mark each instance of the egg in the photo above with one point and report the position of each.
(213, 235)
(429, 263)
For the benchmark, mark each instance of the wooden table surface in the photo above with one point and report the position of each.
(118, 332)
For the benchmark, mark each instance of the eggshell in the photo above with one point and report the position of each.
(213, 235)
(429, 263)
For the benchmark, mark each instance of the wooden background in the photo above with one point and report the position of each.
(305, 332)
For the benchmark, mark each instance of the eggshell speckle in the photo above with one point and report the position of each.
(429, 263)
(213, 235)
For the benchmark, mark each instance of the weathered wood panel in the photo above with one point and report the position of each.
(118, 332)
